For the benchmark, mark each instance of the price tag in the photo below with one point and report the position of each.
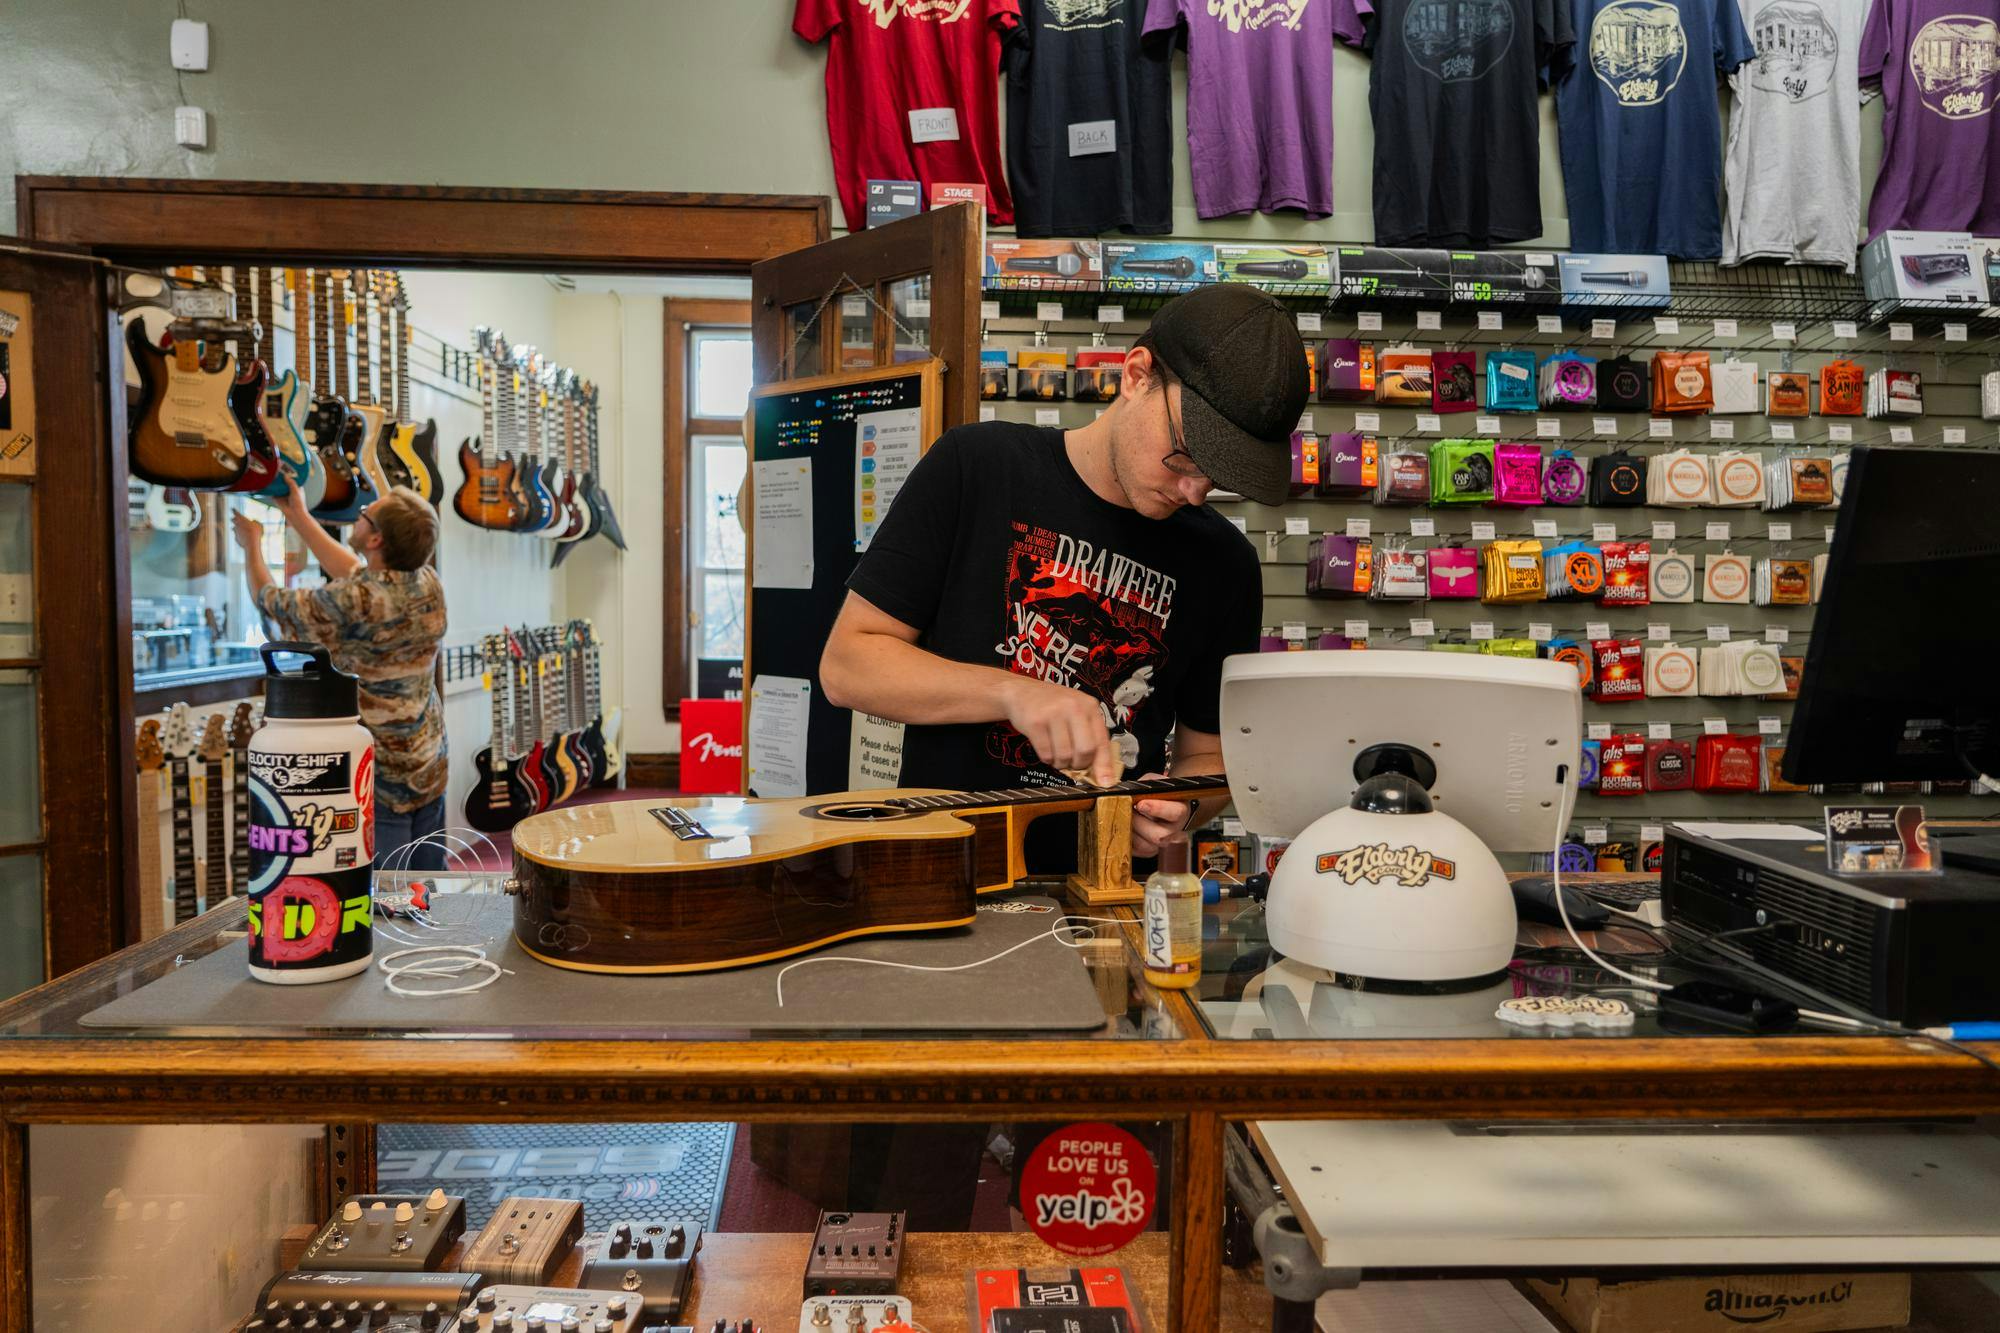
(1954, 333)
(1725, 328)
(1828, 537)
(1422, 629)
(1598, 731)
(1545, 527)
(1360, 527)
(1660, 428)
(1355, 629)
(1115, 314)
(1482, 630)
(1548, 427)
(1846, 328)
(1785, 333)
(1719, 429)
(853, 305)
(1429, 425)
(1298, 527)
(989, 310)
(1604, 532)
(1048, 416)
(1486, 425)
(1540, 632)
(1902, 333)
(1307, 426)
(1232, 828)
(1714, 726)
(1901, 434)
(1651, 832)
(1490, 321)
(988, 412)
(1664, 531)
(1548, 324)
(1295, 631)
(1718, 634)
(1783, 430)
(1366, 421)
(1309, 322)
(1840, 434)
(1604, 328)
(1049, 312)
(919, 308)
(1597, 629)
(1780, 532)
(1659, 633)
(1777, 634)
(1595, 836)
(1659, 731)
(1482, 530)
(1954, 435)
(1242, 525)
(1604, 425)
(1718, 532)
(1667, 326)
(1769, 726)
(1368, 321)
(1429, 321)
(1423, 527)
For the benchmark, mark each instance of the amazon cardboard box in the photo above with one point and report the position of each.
(1794, 1302)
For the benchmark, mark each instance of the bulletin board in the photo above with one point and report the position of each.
(827, 456)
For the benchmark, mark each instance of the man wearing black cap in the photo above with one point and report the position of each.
(1039, 601)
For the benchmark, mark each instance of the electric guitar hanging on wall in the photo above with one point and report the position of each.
(177, 739)
(374, 417)
(501, 795)
(214, 821)
(347, 490)
(559, 762)
(564, 689)
(285, 401)
(600, 503)
(600, 735)
(246, 396)
(527, 725)
(658, 886)
(534, 491)
(412, 448)
(152, 759)
(184, 429)
(486, 497)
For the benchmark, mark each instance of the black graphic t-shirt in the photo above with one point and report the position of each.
(1452, 89)
(1000, 555)
(1089, 120)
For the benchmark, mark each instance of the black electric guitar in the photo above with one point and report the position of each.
(177, 739)
(326, 419)
(242, 727)
(343, 504)
(569, 680)
(604, 760)
(501, 796)
(606, 520)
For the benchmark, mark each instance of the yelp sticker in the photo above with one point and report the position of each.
(1088, 1189)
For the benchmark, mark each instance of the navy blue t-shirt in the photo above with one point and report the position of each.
(1641, 130)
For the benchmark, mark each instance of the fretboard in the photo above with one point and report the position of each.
(1036, 795)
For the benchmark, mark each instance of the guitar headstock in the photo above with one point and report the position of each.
(146, 747)
(214, 739)
(242, 726)
(177, 736)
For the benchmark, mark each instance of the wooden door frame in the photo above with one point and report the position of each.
(680, 315)
(149, 220)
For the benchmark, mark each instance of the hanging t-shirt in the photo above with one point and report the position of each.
(1938, 65)
(999, 554)
(1089, 120)
(912, 93)
(1452, 88)
(1260, 102)
(1640, 126)
(1792, 182)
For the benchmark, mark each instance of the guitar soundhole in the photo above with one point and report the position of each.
(857, 812)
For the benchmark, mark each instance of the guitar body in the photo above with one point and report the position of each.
(559, 518)
(172, 509)
(184, 431)
(534, 768)
(593, 517)
(591, 741)
(486, 497)
(563, 776)
(284, 415)
(326, 427)
(608, 727)
(368, 446)
(360, 489)
(536, 501)
(246, 400)
(607, 517)
(579, 759)
(501, 797)
(576, 517)
(413, 452)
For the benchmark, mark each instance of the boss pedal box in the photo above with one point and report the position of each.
(855, 1254)
(653, 1262)
(511, 1309)
(393, 1233)
(525, 1240)
(855, 1314)
(381, 1302)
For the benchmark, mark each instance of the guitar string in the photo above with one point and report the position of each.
(1084, 935)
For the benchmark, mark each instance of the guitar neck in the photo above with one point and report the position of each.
(215, 872)
(343, 382)
(323, 332)
(498, 747)
(1208, 783)
(355, 315)
(402, 355)
(183, 797)
(239, 827)
(385, 356)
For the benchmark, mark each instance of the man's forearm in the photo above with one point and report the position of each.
(258, 573)
(335, 560)
(874, 673)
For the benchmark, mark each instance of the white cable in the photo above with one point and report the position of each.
(1085, 933)
(465, 958)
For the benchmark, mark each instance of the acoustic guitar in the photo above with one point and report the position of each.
(653, 886)
(412, 448)
(184, 430)
(152, 760)
(486, 498)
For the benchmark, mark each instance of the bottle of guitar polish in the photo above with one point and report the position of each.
(312, 824)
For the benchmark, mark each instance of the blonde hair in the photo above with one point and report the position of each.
(408, 526)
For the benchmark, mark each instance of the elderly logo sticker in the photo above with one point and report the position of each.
(1955, 61)
(1375, 862)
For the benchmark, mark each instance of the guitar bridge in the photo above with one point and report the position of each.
(680, 823)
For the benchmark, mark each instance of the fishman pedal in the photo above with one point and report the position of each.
(854, 1314)
(505, 1309)
(655, 1263)
(387, 1302)
(855, 1254)
(388, 1233)
(525, 1240)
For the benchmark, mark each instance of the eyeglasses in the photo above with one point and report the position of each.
(1180, 462)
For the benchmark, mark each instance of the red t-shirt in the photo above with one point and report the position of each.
(891, 58)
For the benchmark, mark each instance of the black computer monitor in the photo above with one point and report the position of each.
(1902, 674)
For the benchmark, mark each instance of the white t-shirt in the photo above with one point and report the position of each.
(1792, 175)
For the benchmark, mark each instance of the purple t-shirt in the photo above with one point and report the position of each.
(1938, 65)
(1260, 102)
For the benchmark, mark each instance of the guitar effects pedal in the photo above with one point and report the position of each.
(388, 1233)
(525, 1240)
(363, 1302)
(855, 1254)
(655, 1263)
(505, 1309)
(855, 1314)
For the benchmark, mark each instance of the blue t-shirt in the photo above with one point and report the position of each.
(1641, 130)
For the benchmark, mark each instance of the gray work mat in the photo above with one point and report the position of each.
(1044, 987)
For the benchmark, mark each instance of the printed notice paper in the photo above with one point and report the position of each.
(874, 752)
(778, 706)
(782, 527)
(885, 449)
